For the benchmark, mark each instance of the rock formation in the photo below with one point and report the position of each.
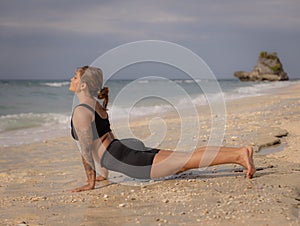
(268, 67)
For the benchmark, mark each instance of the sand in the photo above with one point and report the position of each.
(36, 179)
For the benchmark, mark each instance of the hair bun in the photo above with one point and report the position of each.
(103, 94)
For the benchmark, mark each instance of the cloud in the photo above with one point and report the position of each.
(65, 31)
(142, 18)
(115, 18)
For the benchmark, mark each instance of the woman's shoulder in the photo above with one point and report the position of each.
(81, 111)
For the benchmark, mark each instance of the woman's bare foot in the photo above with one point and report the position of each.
(247, 161)
(100, 178)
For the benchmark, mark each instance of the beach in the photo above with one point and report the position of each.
(36, 178)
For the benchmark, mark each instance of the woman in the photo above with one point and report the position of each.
(91, 127)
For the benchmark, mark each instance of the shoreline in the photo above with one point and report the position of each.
(36, 177)
(40, 133)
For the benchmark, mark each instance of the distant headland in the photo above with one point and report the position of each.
(268, 68)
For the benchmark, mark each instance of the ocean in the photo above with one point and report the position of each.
(32, 110)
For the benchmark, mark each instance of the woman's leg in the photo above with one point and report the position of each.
(168, 163)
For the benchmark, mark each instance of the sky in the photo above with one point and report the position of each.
(48, 39)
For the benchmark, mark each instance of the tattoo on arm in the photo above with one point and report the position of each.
(86, 146)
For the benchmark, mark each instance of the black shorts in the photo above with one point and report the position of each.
(129, 157)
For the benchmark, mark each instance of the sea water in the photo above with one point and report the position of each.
(32, 110)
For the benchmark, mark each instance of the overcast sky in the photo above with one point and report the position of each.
(48, 39)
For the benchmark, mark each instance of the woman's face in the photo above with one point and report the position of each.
(75, 82)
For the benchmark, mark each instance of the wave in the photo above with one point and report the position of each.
(179, 103)
(261, 88)
(30, 120)
(250, 89)
(117, 112)
(55, 84)
(190, 81)
(143, 81)
(24, 128)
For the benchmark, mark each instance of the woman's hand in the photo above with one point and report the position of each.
(83, 188)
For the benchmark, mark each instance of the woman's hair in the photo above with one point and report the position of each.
(93, 77)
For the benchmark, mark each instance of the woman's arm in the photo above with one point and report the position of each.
(103, 171)
(82, 123)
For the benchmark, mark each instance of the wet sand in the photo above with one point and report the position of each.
(36, 178)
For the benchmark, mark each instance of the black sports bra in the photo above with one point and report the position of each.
(100, 126)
